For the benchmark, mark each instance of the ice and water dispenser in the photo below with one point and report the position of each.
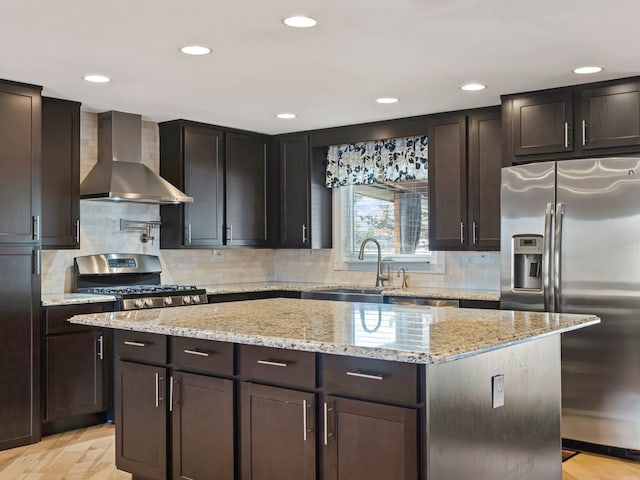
(527, 262)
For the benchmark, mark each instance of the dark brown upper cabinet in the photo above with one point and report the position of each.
(305, 208)
(610, 116)
(60, 173)
(192, 158)
(465, 159)
(542, 124)
(448, 182)
(248, 190)
(572, 122)
(20, 144)
(485, 162)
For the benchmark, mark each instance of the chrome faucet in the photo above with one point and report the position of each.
(380, 277)
(404, 278)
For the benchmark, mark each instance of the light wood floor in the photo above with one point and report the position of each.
(88, 454)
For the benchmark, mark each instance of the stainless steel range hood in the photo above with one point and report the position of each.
(120, 174)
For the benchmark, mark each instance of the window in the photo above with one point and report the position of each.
(394, 213)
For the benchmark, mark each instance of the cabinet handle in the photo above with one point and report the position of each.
(304, 420)
(365, 375)
(188, 229)
(272, 364)
(304, 233)
(475, 233)
(36, 262)
(100, 348)
(462, 232)
(584, 133)
(230, 236)
(135, 344)
(36, 227)
(327, 409)
(195, 352)
(157, 390)
(171, 393)
(566, 134)
(78, 231)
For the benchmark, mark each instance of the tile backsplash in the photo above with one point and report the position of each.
(100, 233)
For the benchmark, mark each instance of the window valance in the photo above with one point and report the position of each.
(393, 160)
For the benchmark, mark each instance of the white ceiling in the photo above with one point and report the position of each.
(418, 50)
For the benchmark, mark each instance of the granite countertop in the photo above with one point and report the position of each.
(50, 300)
(431, 292)
(412, 334)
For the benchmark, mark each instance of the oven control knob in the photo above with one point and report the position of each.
(138, 303)
(186, 299)
(148, 302)
(195, 299)
(168, 301)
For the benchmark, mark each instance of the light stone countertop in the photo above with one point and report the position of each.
(51, 300)
(413, 334)
(430, 292)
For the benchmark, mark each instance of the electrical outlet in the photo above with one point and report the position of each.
(497, 387)
(217, 254)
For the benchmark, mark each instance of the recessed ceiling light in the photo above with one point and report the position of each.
(300, 21)
(587, 70)
(387, 100)
(95, 78)
(195, 50)
(286, 116)
(472, 87)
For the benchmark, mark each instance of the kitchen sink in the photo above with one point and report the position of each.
(360, 294)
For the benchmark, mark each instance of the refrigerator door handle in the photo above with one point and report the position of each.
(546, 257)
(557, 258)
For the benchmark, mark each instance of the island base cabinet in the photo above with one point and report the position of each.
(278, 434)
(368, 441)
(141, 419)
(202, 427)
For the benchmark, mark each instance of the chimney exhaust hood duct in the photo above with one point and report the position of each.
(120, 174)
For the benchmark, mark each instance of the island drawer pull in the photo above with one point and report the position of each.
(272, 364)
(196, 352)
(135, 344)
(365, 375)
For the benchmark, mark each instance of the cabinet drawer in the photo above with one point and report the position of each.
(56, 317)
(275, 365)
(371, 379)
(202, 355)
(141, 347)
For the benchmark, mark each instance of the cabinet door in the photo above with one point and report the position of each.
(19, 310)
(448, 183)
(610, 116)
(204, 182)
(543, 123)
(141, 417)
(74, 374)
(277, 432)
(246, 181)
(202, 427)
(61, 174)
(369, 441)
(294, 168)
(20, 117)
(485, 162)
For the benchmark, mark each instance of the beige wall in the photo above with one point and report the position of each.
(100, 233)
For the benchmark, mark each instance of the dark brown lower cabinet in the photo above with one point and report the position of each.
(278, 434)
(141, 418)
(369, 441)
(75, 374)
(202, 427)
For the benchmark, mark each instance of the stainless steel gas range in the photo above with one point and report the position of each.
(134, 279)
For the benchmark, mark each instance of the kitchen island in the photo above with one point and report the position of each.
(337, 390)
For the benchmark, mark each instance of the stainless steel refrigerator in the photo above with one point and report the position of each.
(571, 243)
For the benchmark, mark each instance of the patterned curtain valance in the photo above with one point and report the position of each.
(393, 160)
